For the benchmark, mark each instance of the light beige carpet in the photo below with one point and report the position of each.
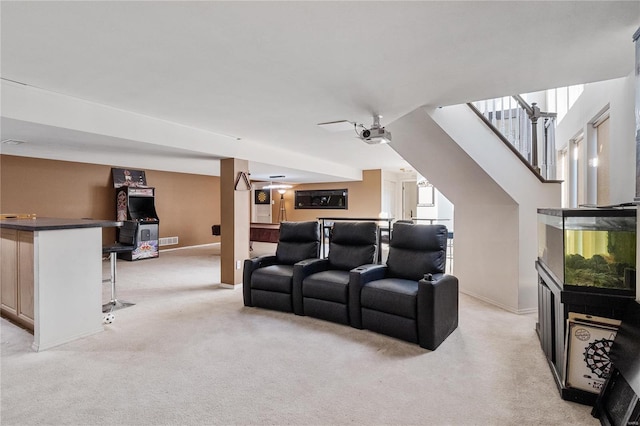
(190, 353)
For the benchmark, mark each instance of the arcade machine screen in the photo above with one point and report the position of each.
(142, 209)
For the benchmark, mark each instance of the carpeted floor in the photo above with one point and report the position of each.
(190, 353)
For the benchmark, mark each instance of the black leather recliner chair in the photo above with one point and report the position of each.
(324, 283)
(410, 298)
(267, 281)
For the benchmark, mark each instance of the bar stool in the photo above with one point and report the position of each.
(126, 237)
(114, 303)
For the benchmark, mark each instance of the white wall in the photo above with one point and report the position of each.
(495, 197)
(619, 95)
(442, 210)
(511, 175)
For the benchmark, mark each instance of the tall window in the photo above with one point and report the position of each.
(574, 172)
(562, 102)
(561, 99)
(574, 93)
(579, 177)
(563, 168)
(602, 161)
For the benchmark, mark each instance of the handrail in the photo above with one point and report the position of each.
(531, 108)
(513, 149)
(535, 114)
(521, 125)
(523, 104)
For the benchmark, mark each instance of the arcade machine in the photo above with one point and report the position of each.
(136, 202)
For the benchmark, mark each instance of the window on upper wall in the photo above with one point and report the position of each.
(602, 160)
(574, 93)
(551, 101)
(563, 167)
(562, 102)
(561, 99)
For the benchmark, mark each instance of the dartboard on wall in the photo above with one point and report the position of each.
(262, 196)
(596, 356)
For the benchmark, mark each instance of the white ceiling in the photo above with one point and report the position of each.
(268, 72)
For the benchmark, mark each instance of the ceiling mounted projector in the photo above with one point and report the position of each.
(376, 134)
(373, 136)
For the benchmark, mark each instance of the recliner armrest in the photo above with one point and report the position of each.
(302, 270)
(437, 310)
(357, 278)
(250, 265)
(311, 266)
(254, 263)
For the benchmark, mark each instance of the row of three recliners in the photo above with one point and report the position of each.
(409, 298)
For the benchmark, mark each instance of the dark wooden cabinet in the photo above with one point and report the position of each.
(586, 278)
(554, 305)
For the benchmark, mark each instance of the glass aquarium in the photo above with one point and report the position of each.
(589, 248)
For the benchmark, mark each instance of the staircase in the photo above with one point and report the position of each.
(528, 131)
(495, 195)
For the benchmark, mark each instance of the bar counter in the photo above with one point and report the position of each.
(51, 280)
(50, 223)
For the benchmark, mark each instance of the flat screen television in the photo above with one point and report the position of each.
(322, 199)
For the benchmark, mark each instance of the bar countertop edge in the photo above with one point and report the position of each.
(52, 223)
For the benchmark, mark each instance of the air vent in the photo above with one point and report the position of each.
(168, 241)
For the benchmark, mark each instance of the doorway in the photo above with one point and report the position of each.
(409, 199)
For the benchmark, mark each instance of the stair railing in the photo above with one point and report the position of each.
(529, 131)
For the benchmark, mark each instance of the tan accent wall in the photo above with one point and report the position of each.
(364, 199)
(187, 204)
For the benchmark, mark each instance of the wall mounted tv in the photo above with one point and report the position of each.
(322, 199)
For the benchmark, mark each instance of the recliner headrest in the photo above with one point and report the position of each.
(416, 250)
(298, 241)
(419, 237)
(299, 232)
(354, 233)
(352, 244)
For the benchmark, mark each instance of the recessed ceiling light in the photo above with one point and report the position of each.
(12, 142)
(277, 186)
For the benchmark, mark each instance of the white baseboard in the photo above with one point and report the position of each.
(231, 286)
(500, 305)
(189, 247)
(41, 346)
